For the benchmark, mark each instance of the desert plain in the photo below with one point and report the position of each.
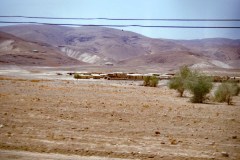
(64, 118)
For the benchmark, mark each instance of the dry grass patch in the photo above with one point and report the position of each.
(35, 80)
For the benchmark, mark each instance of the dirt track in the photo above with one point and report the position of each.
(108, 120)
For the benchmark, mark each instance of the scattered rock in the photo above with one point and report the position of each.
(151, 156)
(1, 125)
(212, 143)
(9, 134)
(234, 137)
(225, 154)
(174, 142)
(133, 153)
(157, 132)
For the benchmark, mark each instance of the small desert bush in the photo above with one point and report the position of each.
(146, 81)
(34, 80)
(226, 91)
(76, 76)
(179, 81)
(151, 81)
(199, 85)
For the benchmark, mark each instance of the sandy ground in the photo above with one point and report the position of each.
(115, 119)
(12, 155)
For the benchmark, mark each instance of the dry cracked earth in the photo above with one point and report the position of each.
(112, 120)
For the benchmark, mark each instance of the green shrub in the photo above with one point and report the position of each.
(179, 81)
(76, 76)
(236, 89)
(146, 81)
(151, 81)
(177, 84)
(199, 85)
(226, 91)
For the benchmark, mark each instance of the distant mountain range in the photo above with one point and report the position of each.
(59, 45)
(16, 51)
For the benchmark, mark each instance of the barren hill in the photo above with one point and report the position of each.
(97, 45)
(93, 44)
(16, 51)
(168, 59)
(216, 50)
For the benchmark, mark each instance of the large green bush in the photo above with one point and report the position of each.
(179, 81)
(151, 81)
(226, 91)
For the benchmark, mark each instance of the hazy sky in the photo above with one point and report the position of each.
(172, 9)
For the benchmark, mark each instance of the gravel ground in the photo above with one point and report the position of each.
(112, 119)
(24, 155)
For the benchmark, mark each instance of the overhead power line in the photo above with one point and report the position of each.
(107, 25)
(121, 19)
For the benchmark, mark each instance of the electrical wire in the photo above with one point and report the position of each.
(107, 25)
(119, 19)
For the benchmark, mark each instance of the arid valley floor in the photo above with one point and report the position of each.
(116, 119)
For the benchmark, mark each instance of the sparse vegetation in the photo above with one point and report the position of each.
(146, 81)
(179, 81)
(34, 80)
(226, 91)
(199, 85)
(81, 76)
(76, 76)
(151, 81)
(146, 106)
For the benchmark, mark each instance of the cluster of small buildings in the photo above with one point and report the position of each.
(119, 76)
(137, 76)
(225, 78)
